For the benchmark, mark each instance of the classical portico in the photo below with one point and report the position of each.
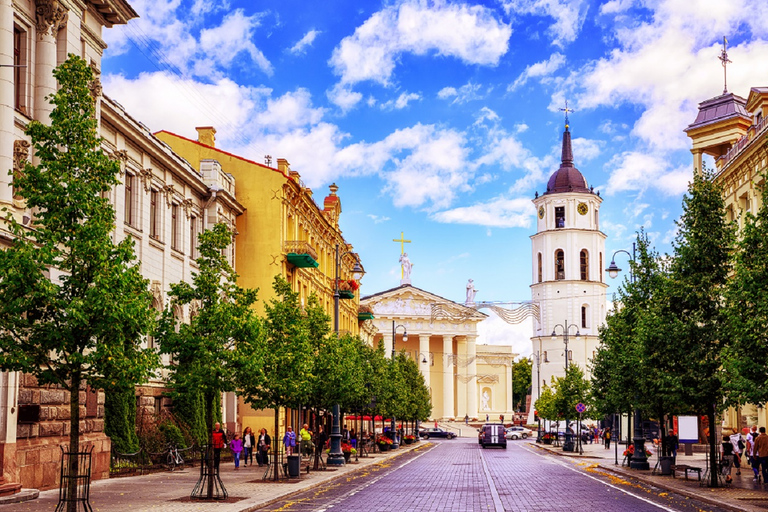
(442, 337)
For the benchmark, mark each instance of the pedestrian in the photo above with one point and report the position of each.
(738, 447)
(673, 443)
(353, 438)
(320, 439)
(262, 447)
(752, 457)
(466, 419)
(726, 458)
(486, 418)
(306, 439)
(289, 441)
(607, 438)
(761, 451)
(345, 434)
(249, 443)
(218, 442)
(237, 449)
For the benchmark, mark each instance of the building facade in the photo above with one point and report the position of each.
(568, 252)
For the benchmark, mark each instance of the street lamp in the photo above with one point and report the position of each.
(639, 460)
(336, 456)
(565, 328)
(395, 444)
(536, 355)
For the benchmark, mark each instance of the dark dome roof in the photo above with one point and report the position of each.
(567, 178)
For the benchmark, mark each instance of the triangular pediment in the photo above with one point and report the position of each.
(407, 301)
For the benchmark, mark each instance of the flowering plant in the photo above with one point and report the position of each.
(409, 436)
(383, 440)
(631, 451)
(347, 448)
(348, 285)
(548, 436)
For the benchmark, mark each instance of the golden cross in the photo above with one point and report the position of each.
(566, 110)
(402, 241)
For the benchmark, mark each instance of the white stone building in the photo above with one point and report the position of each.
(568, 260)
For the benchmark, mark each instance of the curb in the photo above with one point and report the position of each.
(257, 506)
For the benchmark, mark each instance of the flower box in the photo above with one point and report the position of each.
(346, 294)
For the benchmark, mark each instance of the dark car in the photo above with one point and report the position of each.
(436, 432)
(492, 434)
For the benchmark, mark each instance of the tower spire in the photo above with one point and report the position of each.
(567, 154)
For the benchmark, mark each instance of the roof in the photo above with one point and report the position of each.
(404, 286)
(720, 108)
(567, 178)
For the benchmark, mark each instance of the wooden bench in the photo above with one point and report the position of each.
(686, 468)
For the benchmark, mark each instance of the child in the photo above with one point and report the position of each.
(237, 447)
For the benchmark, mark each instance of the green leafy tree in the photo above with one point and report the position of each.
(746, 360)
(521, 383)
(73, 304)
(571, 390)
(221, 344)
(286, 358)
(690, 306)
(545, 405)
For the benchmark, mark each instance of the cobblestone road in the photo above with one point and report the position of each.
(459, 476)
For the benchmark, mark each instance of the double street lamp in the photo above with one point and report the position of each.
(565, 328)
(336, 456)
(395, 444)
(639, 460)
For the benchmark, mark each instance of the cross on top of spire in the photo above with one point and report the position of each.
(725, 61)
(566, 110)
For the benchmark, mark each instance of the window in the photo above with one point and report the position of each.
(546, 360)
(584, 265)
(154, 214)
(570, 355)
(175, 220)
(559, 265)
(193, 237)
(540, 267)
(19, 70)
(601, 267)
(584, 316)
(559, 216)
(130, 200)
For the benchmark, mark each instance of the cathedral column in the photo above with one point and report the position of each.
(424, 354)
(387, 344)
(7, 102)
(462, 380)
(448, 391)
(49, 17)
(472, 387)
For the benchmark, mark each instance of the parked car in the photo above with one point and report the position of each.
(518, 433)
(492, 434)
(436, 432)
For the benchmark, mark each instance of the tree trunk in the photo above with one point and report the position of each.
(74, 441)
(712, 448)
(275, 439)
(209, 425)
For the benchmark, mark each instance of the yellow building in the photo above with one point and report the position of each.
(733, 131)
(283, 231)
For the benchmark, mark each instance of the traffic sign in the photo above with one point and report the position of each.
(580, 407)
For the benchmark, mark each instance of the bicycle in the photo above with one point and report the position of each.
(173, 458)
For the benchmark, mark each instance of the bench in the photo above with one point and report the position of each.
(686, 469)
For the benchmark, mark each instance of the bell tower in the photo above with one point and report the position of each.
(568, 283)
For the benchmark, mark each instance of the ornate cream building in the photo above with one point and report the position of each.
(463, 376)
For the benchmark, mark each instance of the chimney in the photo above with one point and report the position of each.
(206, 135)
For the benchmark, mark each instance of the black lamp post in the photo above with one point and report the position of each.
(639, 460)
(536, 357)
(565, 327)
(336, 456)
(395, 444)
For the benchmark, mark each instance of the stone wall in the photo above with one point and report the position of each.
(38, 453)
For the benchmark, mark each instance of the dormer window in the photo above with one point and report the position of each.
(559, 216)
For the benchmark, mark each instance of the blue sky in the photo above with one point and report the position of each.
(440, 119)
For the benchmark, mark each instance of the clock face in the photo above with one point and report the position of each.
(582, 208)
(541, 212)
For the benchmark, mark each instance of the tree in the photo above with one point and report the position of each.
(545, 405)
(690, 306)
(521, 382)
(221, 344)
(73, 305)
(746, 360)
(286, 358)
(570, 391)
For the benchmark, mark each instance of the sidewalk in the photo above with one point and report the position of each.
(743, 495)
(169, 491)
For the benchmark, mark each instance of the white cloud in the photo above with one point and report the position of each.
(585, 150)
(465, 93)
(538, 70)
(401, 101)
(378, 219)
(569, 16)
(290, 111)
(305, 42)
(642, 171)
(469, 33)
(225, 43)
(495, 331)
(447, 92)
(499, 212)
(345, 98)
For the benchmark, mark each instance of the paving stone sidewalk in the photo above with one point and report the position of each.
(167, 491)
(743, 495)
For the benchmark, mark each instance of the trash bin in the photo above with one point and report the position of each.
(666, 465)
(293, 466)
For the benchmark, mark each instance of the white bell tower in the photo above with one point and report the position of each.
(568, 262)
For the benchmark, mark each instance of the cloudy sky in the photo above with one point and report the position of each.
(440, 119)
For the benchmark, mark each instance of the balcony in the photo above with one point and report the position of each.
(300, 254)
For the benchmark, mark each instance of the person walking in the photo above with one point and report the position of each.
(218, 442)
(607, 438)
(289, 441)
(738, 446)
(262, 447)
(726, 458)
(752, 458)
(306, 439)
(466, 419)
(237, 449)
(761, 451)
(249, 444)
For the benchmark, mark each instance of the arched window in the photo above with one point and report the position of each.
(559, 265)
(540, 270)
(584, 316)
(584, 265)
